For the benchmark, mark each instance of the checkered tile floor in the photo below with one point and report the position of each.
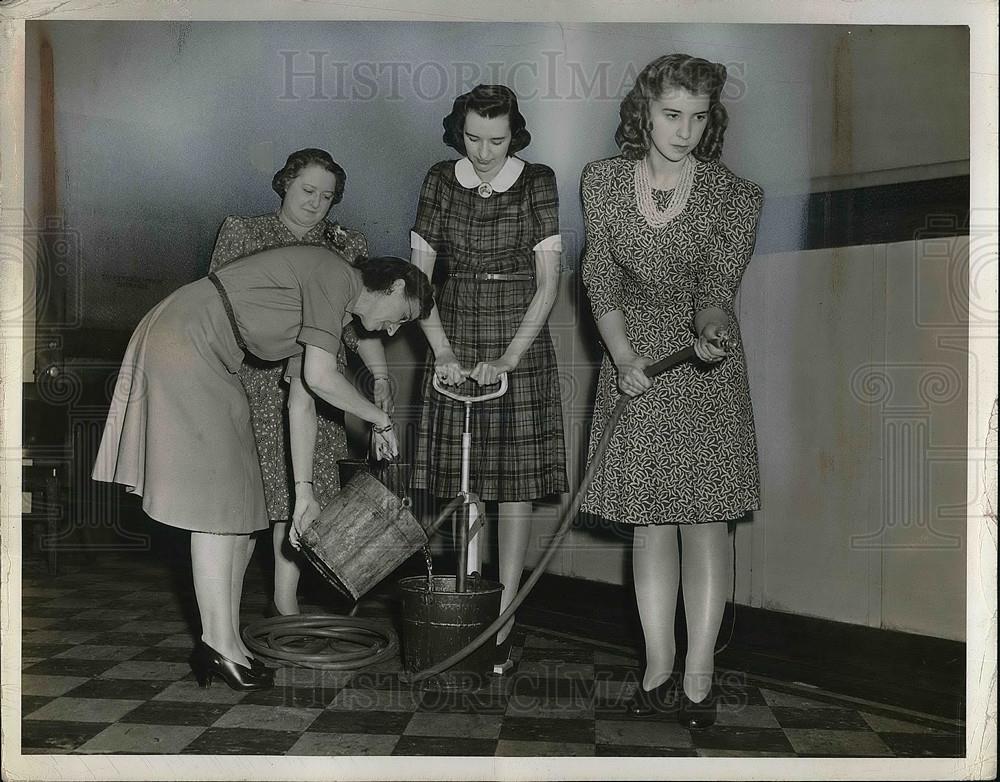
(105, 670)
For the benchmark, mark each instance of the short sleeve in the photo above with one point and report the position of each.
(602, 276)
(293, 367)
(543, 202)
(429, 208)
(229, 244)
(730, 247)
(325, 296)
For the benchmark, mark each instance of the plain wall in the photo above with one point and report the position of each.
(162, 129)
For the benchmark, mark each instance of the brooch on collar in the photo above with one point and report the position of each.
(485, 190)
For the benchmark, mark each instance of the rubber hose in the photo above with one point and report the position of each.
(330, 642)
(570, 513)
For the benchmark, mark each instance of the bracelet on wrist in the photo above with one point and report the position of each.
(310, 483)
(382, 429)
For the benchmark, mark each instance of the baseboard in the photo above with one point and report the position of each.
(902, 669)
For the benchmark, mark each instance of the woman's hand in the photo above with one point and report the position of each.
(305, 513)
(384, 445)
(486, 373)
(710, 346)
(447, 368)
(382, 394)
(632, 378)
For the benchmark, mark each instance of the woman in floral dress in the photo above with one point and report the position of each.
(309, 183)
(669, 233)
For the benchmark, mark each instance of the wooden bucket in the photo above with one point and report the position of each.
(362, 535)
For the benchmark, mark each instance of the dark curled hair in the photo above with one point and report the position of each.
(697, 76)
(301, 159)
(487, 100)
(379, 273)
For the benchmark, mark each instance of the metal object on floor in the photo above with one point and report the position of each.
(326, 641)
(438, 619)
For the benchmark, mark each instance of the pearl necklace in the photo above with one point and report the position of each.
(656, 217)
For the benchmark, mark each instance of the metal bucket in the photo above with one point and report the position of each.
(362, 535)
(439, 622)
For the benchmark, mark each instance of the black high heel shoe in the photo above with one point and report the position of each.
(661, 699)
(698, 715)
(207, 663)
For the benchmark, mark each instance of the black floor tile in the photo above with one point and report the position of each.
(545, 687)
(49, 735)
(241, 741)
(821, 719)
(621, 750)
(543, 654)
(614, 709)
(451, 746)
(481, 702)
(68, 666)
(393, 722)
(30, 703)
(176, 713)
(378, 680)
(88, 625)
(924, 745)
(44, 650)
(168, 654)
(298, 697)
(733, 738)
(135, 639)
(132, 689)
(569, 731)
(49, 611)
(615, 673)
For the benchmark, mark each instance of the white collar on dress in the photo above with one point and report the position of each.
(466, 174)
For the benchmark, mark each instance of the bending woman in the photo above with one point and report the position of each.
(309, 183)
(670, 231)
(494, 220)
(178, 431)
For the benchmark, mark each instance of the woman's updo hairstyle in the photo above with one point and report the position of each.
(300, 160)
(697, 76)
(487, 100)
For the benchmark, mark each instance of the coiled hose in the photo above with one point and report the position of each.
(329, 642)
(306, 640)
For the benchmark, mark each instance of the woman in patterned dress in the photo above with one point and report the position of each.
(309, 183)
(669, 233)
(493, 219)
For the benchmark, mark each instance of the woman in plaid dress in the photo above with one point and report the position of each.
(309, 183)
(492, 219)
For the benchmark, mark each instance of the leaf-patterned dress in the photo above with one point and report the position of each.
(242, 236)
(685, 451)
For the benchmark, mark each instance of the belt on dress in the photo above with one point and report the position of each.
(494, 276)
(229, 311)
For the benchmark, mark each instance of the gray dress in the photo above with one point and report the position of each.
(242, 236)
(178, 432)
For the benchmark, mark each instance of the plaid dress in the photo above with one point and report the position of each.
(238, 238)
(517, 440)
